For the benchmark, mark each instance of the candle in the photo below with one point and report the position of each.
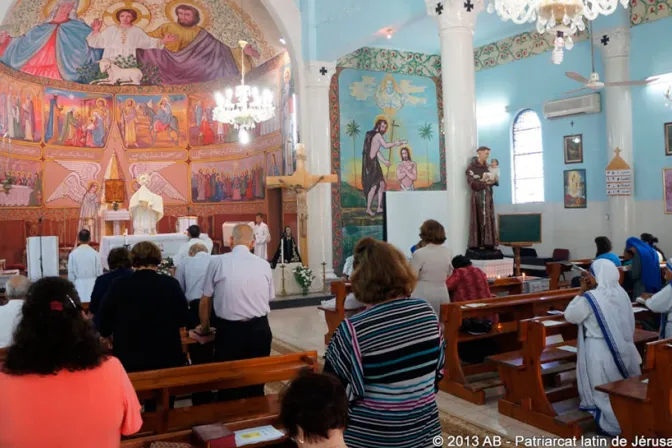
(125, 237)
(323, 251)
(523, 276)
(282, 251)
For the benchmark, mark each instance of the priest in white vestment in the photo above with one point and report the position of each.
(606, 350)
(661, 302)
(146, 209)
(262, 236)
(124, 39)
(84, 266)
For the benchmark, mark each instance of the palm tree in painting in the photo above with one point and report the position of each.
(427, 134)
(353, 130)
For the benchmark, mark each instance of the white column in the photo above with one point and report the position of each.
(456, 20)
(317, 138)
(615, 46)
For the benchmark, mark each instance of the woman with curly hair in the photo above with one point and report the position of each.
(57, 386)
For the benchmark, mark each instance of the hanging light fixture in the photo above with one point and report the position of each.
(249, 107)
(551, 13)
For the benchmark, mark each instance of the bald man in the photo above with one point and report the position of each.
(10, 312)
(239, 286)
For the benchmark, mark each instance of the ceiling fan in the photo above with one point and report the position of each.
(593, 82)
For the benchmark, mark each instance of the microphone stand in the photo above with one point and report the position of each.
(41, 261)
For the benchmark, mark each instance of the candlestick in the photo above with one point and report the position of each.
(283, 293)
(324, 274)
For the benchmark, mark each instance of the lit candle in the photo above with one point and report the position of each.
(282, 250)
(125, 237)
(523, 276)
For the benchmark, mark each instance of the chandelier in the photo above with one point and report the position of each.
(250, 106)
(549, 14)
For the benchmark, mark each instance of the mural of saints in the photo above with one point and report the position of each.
(152, 121)
(77, 119)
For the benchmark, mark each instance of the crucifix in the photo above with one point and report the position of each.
(301, 182)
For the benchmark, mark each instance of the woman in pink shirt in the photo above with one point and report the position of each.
(57, 388)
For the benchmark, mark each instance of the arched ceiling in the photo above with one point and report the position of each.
(228, 21)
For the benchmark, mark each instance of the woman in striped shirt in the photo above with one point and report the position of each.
(390, 357)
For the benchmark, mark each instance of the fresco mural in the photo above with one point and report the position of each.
(158, 121)
(389, 139)
(274, 163)
(288, 102)
(148, 42)
(20, 182)
(229, 180)
(20, 117)
(203, 129)
(77, 119)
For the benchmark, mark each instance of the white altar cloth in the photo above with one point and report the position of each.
(19, 195)
(291, 285)
(495, 268)
(169, 243)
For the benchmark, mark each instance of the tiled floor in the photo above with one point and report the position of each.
(305, 328)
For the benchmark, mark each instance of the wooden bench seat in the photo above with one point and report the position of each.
(643, 405)
(166, 383)
(334, 316)
(531, 398)
(459, 377)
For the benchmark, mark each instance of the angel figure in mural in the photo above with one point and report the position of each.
(156, 183)
(388, 96)
(124, 39)
(81, 186)
(161, 120)
(54, 49)
(188, 58)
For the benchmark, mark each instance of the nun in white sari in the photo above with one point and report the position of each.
(606, 351)
(661, 302)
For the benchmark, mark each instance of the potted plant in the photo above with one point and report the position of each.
(304, 277)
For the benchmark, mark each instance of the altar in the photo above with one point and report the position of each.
(292, 287)
(18, 196)
(169, 243)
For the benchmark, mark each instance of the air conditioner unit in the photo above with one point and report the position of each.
(586, 104)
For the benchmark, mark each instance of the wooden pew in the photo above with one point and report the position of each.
(643, 404)
(527, 398)
(185, 436)
(459, 377)
(334, 317)
(166, 383)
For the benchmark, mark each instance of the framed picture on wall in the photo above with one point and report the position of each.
(573, 146)
(668, 139)
(667, 190)
(576, 195)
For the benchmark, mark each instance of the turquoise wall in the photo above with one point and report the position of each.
(650, 54)
(529, 83)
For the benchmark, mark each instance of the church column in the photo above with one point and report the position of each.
(456, 20)
(615, 46)
(317, 138)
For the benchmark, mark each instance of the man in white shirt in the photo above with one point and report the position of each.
(239, 286)
(10, 311)
(262, 236)
(84, 266)
(194, 233)
(191, 276)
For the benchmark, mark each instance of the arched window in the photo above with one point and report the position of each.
(528, 159)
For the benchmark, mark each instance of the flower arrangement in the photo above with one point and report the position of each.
(166, 267)
(304, 277)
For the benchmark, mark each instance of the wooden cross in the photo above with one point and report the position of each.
(301, 182)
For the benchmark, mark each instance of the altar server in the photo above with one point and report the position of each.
(194, 233)
(661, 302)
(84, 266)
(605, 348)
(262, 236)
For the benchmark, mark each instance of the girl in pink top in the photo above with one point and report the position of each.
(57, 388)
